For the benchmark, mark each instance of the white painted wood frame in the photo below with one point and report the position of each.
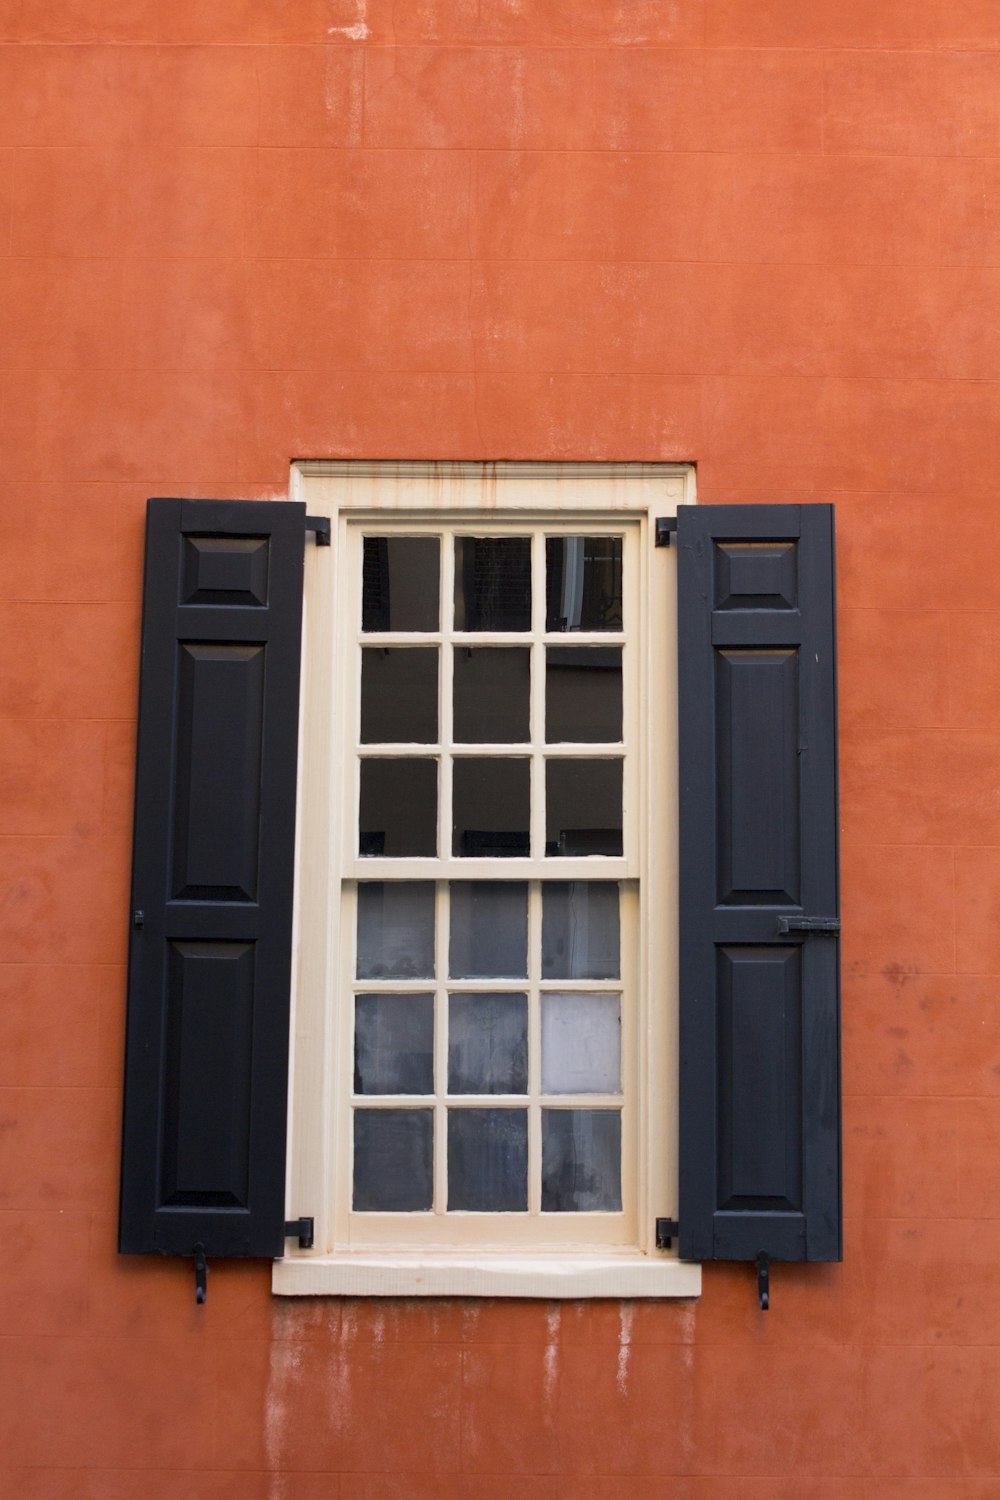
(532, 1254)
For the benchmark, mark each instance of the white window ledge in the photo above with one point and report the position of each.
(380, 1275)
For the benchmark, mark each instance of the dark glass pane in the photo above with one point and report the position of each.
(395, 929)
(580, 930)
(400, 585)
(581, 1160)
(394, 1044)
(399, 695)
(492, 583)
(398, 808)
(583, 583)
(492, 692)
(581, 1043)
(583, 694)
(489, 929)
(583, 807)
(393, 1160)
(491, 800)
(488, 1160)
(488, 1044)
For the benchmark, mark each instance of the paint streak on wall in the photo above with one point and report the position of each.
(553, 1320)
(626, 1314)
(358, 31)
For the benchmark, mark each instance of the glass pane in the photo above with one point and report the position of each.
(581, 1160)
(492, 583)
(492, 691)
(399, 696)
(395, 929)
(583, 694)
(393, 1160)
(398, 815)
(489, 929)
(583, 807)
(394, 1044)
(400, 583)
(581, 1044)
(580, 930)
(488, 1044)
(491, 807)
(488, 1160)
(583, 583)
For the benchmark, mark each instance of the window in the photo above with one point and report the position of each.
(474, 1017)
(555, 862)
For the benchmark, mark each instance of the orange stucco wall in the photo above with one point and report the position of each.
(759, 234)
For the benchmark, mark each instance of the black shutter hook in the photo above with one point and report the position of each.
(200, 1274)
(763, 1280)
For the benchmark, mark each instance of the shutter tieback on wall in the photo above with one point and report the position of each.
(200, 1274)
(763, 1280)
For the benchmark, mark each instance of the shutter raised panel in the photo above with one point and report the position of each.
(206, 1065)
(759, 1009)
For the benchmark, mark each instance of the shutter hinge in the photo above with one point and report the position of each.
(665, 528)
(808, 924)
(665, 1231)
(320, 526)
(200, 1274)
(302, 1230)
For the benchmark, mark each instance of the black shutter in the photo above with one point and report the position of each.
(759, 1003)
(206, 1066)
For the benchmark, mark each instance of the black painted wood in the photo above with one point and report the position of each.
(206, 1065)
(759, 1011)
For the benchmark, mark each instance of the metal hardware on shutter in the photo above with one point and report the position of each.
(808, 924)
(200, 1274)
(763, 1281)
(665, 528)
(320, 526)
(138, 918)
(301, 1230)
(665, 1231)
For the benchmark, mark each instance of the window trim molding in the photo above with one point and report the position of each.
(427, 490)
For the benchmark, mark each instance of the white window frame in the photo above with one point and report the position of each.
(636, 494)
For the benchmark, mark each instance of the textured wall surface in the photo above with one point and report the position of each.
(760, 234)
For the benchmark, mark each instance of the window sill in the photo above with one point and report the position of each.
(570, 1276)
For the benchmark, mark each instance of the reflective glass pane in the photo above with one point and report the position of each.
(583, 694)
(399, 695)
(394, 1044)
(581, 1160)
(580, 930)
(488, 1160)
(400, 585)
(583, 583)
(583, 807)
(581, 1044)
(489, 929)
(398, 810)
(492, 690)
(488, 1044)
(492, 583)
(393, 1160)
(395, 929)
(491, 801)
